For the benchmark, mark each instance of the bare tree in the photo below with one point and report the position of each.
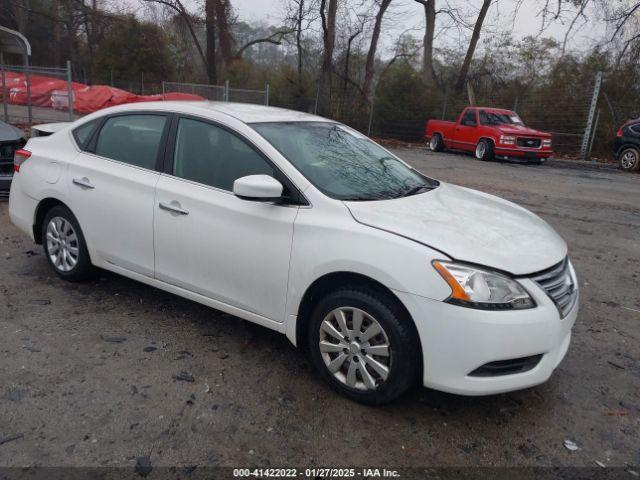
(178, 7)
(210, 27)
(328, 39)
(371, 55)
(475, 36)
(428, 72)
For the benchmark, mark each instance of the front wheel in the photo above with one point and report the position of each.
(64, 245)
(629, 159)
(484, 150)
(363, 345)
(436, 144)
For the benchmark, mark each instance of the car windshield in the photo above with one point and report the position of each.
(499, 118)
(343, 163)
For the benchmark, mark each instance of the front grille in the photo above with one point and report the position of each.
(507, 367)
(559, 285)
(528, 142)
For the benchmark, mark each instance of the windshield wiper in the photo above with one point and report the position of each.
(413, 191)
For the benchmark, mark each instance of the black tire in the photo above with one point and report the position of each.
(629, 159)
(484, 150)
(83, 269)
(404, 357)
(436, 144)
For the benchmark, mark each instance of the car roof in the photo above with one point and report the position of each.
(245, 112)
(494, 110)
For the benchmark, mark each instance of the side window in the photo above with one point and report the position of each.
(132, 139)
(469, 118)
(211, 155)
(83, 132)
(635, 128)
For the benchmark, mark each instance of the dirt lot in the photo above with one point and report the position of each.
(87, 372)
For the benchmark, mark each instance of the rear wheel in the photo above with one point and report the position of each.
(629, 159)
(363, 345)
(436, 144)
(64, 245)
(484, 150)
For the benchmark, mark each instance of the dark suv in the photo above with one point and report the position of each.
(627, 145)
(11, 139)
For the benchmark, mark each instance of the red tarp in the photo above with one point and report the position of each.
(52, 93)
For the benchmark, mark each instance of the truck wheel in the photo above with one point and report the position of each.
(629, 159)
(484, 150)
(435, 144)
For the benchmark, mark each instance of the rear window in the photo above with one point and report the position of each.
(82, 134)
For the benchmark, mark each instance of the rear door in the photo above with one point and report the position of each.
(211, 242)
(467, 130)
(112, 188)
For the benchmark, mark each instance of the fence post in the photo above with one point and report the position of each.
(444, 103)
(28, 80)
(141, 83)
(69, 90)
(592, 112)
(593, 135)
(266, 94)
(112, 77)
(370, 116)
(226, 91)
(163, 90)
(315, 108)
(4, 89)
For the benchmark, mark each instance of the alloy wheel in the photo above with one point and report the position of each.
(62, 244)
(480, 149)
(628, 160)
(355, 348)
(433, 143)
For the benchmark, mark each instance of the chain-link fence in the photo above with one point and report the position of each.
(567, 115)
(32, 93)
(582, 118)
(219, 93)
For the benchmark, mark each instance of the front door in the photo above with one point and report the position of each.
(466, 134)
(211, 242)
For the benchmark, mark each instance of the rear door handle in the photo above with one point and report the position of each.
(83, 182)
(173, 207)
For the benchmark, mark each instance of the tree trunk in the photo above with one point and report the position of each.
(55, 29)
(428, 73)
(299, 38)
(464, 70)
(210, 26)
(329, 41)
(225, 39)
(371, 55)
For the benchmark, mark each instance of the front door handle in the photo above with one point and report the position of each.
(173, 207)
(83, 182)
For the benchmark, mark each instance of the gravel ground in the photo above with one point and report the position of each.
(90, 374)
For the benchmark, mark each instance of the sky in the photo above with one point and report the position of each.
(411, 14)
(408, 15)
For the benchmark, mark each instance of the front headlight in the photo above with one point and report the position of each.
(507, 140)
(476, 288)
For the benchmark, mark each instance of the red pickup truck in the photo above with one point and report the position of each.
(489, 133)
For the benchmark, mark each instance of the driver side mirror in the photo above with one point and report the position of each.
(257, 187)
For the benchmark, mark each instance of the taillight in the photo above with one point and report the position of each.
(619, 132)
(19, 157)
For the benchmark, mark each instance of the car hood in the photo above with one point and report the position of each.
(469, 226)
(521, 130)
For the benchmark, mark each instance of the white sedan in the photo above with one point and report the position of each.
(307, 227)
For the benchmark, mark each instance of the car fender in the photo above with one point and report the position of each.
(346, 246)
